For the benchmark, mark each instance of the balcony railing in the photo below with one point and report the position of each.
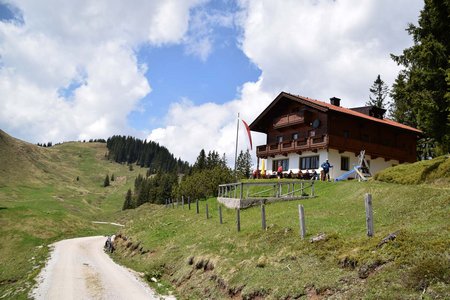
(288, 120)
(312, 143)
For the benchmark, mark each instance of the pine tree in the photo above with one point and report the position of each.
(200, 163)
(244, 164)
(128, 204)
(420, 92)
(106, 182)
(112, 177)
(379, 90)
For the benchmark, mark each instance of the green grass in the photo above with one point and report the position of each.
(42, 202)
(277, 264)
(196, 258)
(435, 171)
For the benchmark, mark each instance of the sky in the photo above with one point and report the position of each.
(178, 72)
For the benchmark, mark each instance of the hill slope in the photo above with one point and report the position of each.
(201, 258)
(42, 201)
(435, 171)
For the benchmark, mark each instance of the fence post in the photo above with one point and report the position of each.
(242, 191)
(263, 216)
(369, 214)
(238, 219)
(301, 216)
(197, 206)
(189, 202)
(182, 201)
(312, 188)
(207, 215)
(220, 214)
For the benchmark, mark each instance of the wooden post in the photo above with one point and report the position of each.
(238, 219)
(220, 214)
(189, 202)
(263, 216)
(301, 216)
(242, 191)
(182, 201)
(207, 215)
(301, 188)
(173, 204)
(369, 214)
(197, 207)
(312, 188)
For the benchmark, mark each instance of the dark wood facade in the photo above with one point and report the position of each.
(295, 124)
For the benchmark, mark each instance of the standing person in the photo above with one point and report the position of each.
(280, 171)
(326, 170)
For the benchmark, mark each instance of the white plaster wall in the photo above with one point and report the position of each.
(335, 161)
(334, 157)
(376, 165)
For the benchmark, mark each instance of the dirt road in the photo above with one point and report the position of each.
(79, 269)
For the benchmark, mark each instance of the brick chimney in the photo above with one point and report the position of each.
(335, 101)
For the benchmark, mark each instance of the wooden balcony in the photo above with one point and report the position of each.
(307, 144)
(288, 120)
(372, 149)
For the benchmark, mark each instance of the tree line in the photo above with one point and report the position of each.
(421, 92)
(201, 182)
(130, 150)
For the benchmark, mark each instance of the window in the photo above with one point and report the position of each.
(310, 162)
(279, 139)
(345, 163)
(295, 136)
(284, 163)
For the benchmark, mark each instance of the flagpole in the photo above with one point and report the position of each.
(237, 140)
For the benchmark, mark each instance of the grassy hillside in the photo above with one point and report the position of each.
(41, 201)
(199, 258)
(435, 172)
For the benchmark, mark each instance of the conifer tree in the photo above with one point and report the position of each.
(244, 164)
(106, 182)
(420, 93)
(378, 92)
(112, 177)
(128, 204)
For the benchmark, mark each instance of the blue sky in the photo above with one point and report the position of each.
(173, 75)
(179, 71)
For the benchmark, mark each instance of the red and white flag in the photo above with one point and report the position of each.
(248, 133)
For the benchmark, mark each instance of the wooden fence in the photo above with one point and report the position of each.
(246, 194)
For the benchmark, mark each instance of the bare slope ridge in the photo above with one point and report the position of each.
(49, 194)
(19, 159)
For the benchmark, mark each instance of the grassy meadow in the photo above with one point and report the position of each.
(198, 258)
(41, 201)
(49, 194)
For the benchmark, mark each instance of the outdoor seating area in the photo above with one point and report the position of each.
(304, 175)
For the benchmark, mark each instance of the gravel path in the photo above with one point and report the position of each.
(79, 269)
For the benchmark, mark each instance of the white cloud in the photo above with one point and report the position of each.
(318, 49)
(199, 40)
(91, 44)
